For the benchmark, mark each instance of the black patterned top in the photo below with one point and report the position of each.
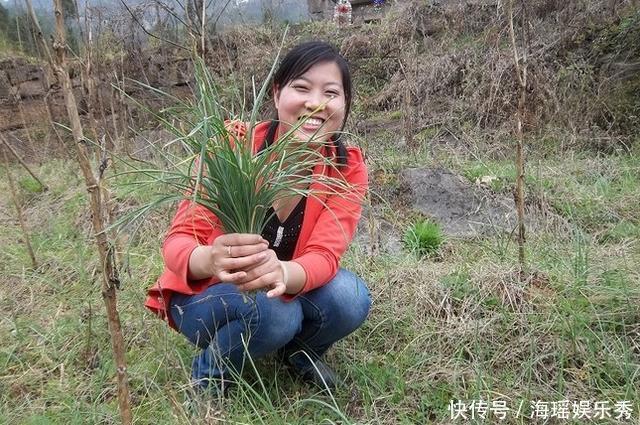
(283, 237)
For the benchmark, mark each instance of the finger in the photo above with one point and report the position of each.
(278, 290)
(260, 269)
(246, 250)
(261, 282)
(234, 239)
(243, 263)
(235, 277)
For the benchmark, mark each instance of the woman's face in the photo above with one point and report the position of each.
(317, 94)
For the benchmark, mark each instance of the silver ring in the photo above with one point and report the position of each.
(229, 250)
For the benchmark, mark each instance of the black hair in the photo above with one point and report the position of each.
(299, 60)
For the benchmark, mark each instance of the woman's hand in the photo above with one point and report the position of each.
(270, 273)
(228, 257)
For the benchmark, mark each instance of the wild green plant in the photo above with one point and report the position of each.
(31, 185)
(580, 261)
(424, 237)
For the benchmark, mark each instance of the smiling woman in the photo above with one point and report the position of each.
(304, 302)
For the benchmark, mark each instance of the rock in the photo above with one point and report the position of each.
(462, 208)
(33, 88)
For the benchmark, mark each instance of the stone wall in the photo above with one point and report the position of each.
(22, 93)
(23, 88)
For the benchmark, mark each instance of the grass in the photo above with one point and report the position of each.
(423, 238)
(461, 327)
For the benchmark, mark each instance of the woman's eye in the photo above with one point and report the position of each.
(332, 94)
(299, 87)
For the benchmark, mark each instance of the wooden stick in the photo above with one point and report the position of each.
(99, 208)
(521, 73)
(16, 203)
(110, 280)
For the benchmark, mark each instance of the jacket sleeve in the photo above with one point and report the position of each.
(193, 225)
(335, 226)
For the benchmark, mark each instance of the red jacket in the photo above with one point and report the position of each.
(328, 226)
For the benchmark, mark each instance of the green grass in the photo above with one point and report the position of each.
(423, 238)
(459, 327)
(594, 192)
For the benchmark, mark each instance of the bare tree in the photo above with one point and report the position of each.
(135, 18)
(46, 80)
(520, 62)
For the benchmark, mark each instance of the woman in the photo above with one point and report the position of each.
(304, 301)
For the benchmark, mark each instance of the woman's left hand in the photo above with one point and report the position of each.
(268, 274)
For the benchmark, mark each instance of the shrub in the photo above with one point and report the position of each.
(424, 238)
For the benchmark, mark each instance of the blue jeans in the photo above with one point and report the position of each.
(219, 319)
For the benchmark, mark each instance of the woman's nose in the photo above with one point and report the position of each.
(314, 101)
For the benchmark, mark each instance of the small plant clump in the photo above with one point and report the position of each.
(424, 238)
(31, 185)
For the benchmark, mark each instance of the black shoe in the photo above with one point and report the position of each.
(212, 387)
(314, 372)
(321, 375)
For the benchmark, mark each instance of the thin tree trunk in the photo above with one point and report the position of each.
(18, 32)
(21, 161)
(110, 279)
(90, 92)
(114, 120)
(44, 50)
(124, 134)
(521, 72)
(16, 203)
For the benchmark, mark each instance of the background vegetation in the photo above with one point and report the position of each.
(436, 86)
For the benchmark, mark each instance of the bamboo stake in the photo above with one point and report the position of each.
(521, 72)
(21, 161)
(110, 280)
(16, 203)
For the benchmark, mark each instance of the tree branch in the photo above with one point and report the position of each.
(149, 33)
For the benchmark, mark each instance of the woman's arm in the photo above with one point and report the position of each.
(335, 227)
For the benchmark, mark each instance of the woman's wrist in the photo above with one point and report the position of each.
(196, 270)
(285, 273)
(294, 277)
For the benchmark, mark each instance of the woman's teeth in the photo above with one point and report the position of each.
(314, 122)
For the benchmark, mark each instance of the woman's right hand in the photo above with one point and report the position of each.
(227, 257)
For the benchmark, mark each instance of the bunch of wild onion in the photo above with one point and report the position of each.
(221, 171)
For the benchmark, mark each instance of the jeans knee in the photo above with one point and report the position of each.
(278, 323)
(358, 311)
(345, 301)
